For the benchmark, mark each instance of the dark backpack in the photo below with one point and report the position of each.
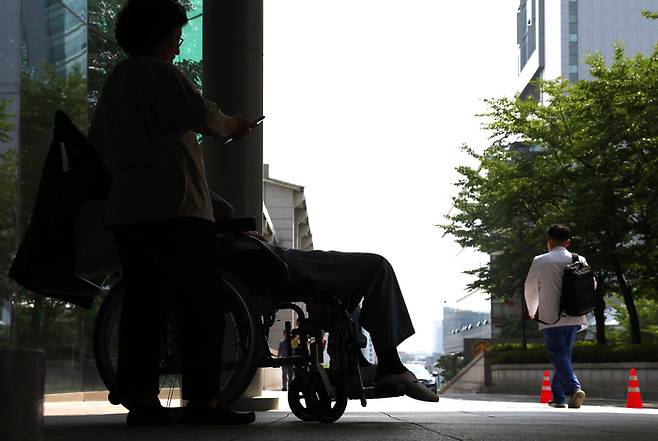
(578, 289)
(579, 295)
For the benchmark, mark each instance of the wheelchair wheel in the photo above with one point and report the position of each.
(322, 406)
(241, 347)
(296, 399)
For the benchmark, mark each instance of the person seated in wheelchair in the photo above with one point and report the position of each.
(357, 280)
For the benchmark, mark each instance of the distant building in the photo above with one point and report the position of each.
(556, 36)
(285, 223)
(459, 324)
(437, 332)
(10, 66)
(286, 218)
(369, 350)
(35, 32)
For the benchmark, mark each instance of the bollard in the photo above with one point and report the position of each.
(22, 380)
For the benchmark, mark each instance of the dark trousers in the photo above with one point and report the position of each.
(559, 344)
(176, 256)
(287, 374)
(353, 277)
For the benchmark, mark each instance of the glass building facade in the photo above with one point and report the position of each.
(526, 18)
(55, 54)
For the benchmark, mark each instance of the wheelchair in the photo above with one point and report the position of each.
(255, 285)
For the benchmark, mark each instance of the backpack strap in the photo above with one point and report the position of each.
(537, 319)
(574, 259)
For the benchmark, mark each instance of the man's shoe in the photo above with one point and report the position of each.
(577, 398)
(215, 416)
(557, 405)
(412, 387)
(140, 416)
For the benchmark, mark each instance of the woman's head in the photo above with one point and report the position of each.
(151, 27)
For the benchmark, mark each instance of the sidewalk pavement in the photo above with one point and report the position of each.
(472, 417)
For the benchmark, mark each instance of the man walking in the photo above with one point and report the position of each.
(285, 350)
(543, 288)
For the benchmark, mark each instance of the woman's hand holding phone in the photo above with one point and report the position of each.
(241, 127)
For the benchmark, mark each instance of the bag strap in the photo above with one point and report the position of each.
(574, 259)
(546, 323)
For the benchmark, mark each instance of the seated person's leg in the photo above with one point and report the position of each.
(353, 277)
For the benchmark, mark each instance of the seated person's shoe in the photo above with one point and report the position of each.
(577, 398)
(557, 405)
(149, 416)
(215, 416)
(413, 388)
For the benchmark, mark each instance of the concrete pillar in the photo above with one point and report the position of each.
(22, 383)
(233, 78)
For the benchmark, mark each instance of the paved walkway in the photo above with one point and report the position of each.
(453, 418)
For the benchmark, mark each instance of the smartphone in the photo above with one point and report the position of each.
(257, 121)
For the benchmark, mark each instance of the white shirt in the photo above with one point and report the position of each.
(543, 288)
(144, 127)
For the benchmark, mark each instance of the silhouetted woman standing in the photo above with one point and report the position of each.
(160, 212)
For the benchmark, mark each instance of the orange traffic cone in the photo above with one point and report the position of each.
(546, 392)
(633, 398)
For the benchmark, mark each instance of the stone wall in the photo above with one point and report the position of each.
(599, 380)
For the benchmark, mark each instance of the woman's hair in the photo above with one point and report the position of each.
(143, 24)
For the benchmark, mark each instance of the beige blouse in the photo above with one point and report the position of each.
(144, 127)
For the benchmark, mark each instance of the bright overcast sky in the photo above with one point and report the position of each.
(367, 103)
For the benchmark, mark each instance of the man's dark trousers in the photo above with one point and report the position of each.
(559, 343)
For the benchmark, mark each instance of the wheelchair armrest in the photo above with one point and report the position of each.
(235, 225)
(275, 258)
(246, 256)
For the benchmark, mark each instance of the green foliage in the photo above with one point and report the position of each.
(6, 126)
(43, 92)
(104, 51)
(511, 329)
(648, 313)
(450, 365)
(584, 156)
(650, 15)
(583, 352)
(8, 170)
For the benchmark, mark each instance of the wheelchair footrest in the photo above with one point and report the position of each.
(388, 392)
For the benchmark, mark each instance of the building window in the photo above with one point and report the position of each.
(573, 41)
(526, 19)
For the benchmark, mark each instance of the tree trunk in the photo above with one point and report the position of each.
(36, 320)
(599, 312)
(627, 293)
(524, 338)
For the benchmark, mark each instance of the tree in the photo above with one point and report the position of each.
(6, 126)
(450, 365)
(43, 92)
(8, 171)
(650, 15)
(583, 157)
(648, 313)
